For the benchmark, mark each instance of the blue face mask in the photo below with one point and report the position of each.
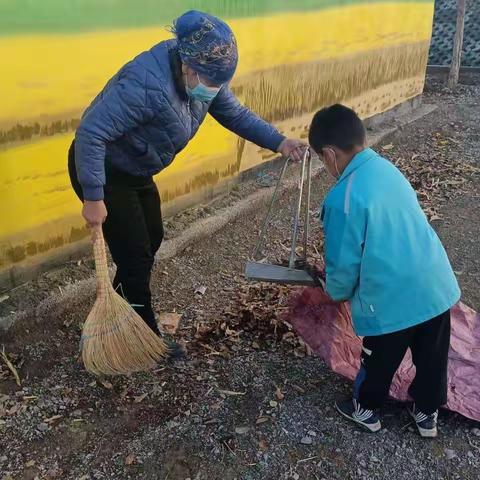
(201, 92)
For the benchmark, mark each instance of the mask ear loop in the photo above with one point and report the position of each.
(334, 161)
(336, 166)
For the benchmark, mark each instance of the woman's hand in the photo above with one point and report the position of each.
(293, 148)
(94, 212)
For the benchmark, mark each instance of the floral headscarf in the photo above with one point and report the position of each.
(207, 45)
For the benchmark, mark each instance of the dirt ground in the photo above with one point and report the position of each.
(249, 403)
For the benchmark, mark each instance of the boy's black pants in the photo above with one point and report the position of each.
(381, 356)
(133, 231)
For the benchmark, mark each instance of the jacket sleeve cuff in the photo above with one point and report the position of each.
(276, 140)
(335, 293)
(92, 193)
(332, 294)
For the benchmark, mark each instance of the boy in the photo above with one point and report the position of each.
(382, 256)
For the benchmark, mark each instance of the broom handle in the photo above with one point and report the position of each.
(101, 265)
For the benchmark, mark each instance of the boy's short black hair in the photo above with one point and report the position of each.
(337, 126)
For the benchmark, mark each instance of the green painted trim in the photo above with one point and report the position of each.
(72, 16)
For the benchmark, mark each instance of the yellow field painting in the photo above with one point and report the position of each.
(55, 75)
(372, 57)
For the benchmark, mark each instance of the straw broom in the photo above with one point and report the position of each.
(115, 339)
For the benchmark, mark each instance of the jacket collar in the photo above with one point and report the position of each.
(176, 68)
(356, 162)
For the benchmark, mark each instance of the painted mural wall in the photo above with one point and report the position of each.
(295, 57)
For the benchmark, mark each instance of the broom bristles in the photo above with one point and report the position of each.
(115, 339)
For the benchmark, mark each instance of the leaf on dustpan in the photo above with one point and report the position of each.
(130, 459)
(388, 147)
(11, 367)
(168, 322)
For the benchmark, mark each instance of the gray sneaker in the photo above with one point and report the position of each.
(368, 419)
(426, 424)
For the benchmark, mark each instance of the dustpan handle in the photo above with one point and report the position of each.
(306, 229)
(101, 264)
(261, 237)
(305, 161)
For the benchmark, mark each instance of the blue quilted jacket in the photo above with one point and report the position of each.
(143, 118)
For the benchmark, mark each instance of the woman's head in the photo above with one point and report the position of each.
(207, 48)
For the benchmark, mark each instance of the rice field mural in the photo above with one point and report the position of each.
(295, 56)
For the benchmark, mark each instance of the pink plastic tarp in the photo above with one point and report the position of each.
(326, 328)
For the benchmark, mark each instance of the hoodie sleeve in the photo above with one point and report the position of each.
(231, 114)
(122, 106)
(344, 231)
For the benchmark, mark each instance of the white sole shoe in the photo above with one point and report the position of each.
(424, 432)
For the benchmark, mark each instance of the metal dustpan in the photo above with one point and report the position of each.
(294, 273)
(267, 272)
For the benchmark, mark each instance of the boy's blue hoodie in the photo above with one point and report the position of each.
(381, 253)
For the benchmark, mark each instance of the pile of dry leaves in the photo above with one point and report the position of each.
(254, 320)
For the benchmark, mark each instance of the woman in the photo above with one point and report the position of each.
(134, 128)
